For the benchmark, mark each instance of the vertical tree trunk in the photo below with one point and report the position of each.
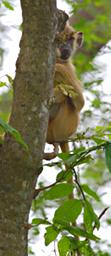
(32, 86)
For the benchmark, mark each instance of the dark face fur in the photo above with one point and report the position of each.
(68, 41)
(66, 49)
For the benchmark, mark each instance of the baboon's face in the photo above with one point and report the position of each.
(68, 41)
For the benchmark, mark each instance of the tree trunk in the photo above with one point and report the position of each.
(32, 88)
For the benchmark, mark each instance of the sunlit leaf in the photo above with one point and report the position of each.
(2, 84)
(8, 5)
(64, 246)
(96, 103)
(87, 250)
(90, 192)
(108, 155)
(68, 211)
(39, 221)
(64, 175)
(64, 156)
(14, 133)
(68, 244)
(50, 235)
(59, 190)
(80, 232)
(90, 218)
(10, 79)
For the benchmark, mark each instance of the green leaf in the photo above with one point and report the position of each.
(90, 218)
(14, 133)
(68, 211)
(1, 140)
(64, 246)
(64, 176)
(90, 192)
(50, 235)
(87, 250)
(108, 155)
(100, 130)
(8, 5)
(108, 221)
(2, 84)
(64, 156)
(39, 221)
(30, 252)
(10, 79)
(98, 139)
(96, 103)
(67, 244)
(80, 232)
(59, 190)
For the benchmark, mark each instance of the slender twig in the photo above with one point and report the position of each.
(37, 191)
(101, 215)
(78, 184)
(87, 151)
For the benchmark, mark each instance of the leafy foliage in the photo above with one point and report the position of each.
(5, 101)
(8, 5)
(4, 6)
(13, 132)
(59, 190)
(63, 215)
(108, 155)
(91, 17)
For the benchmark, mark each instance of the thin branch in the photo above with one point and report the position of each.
(78, 184)
(101, 215)
(37, 191)
(86, 152)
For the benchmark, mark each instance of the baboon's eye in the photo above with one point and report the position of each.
(71, 40)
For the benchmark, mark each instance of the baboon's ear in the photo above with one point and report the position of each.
(80, 38)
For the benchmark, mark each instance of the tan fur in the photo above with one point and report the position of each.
(68, 101)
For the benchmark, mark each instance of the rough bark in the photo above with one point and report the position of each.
(32, 88)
